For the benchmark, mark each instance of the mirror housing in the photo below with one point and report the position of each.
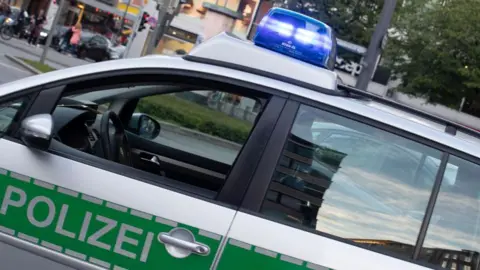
(144, 126)
(36, 131)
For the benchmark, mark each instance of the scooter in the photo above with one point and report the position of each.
(7, 29)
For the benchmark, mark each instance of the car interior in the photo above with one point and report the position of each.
(104, 124)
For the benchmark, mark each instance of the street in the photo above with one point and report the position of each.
(196, 146)
(20, 48)
(9, 71)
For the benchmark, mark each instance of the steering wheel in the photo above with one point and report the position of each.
(113, 140)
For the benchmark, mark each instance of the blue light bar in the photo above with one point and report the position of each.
(298, 36)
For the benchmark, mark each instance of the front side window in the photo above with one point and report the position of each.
(189, 139)
(351, 180)
(453, 236)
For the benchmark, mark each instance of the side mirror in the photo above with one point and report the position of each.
(144, 126)
(36, 131)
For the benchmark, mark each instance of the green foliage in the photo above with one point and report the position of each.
(352, 20)
(436, 51)
(194, 116)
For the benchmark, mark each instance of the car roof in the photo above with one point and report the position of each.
(230, 51)
(414, 124)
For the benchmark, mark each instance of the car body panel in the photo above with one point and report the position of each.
(116, 205)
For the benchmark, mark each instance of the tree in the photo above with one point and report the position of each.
(435, 50)
(352, 20)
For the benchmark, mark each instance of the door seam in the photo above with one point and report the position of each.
(222, 245)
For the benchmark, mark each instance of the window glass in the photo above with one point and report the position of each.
(453, 236)
(353, 181)
(211, 124)
(187, 139)
(8, 111)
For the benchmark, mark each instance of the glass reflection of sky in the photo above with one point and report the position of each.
(373, 194)
(363, 205)
(459, 209)
(376, 192)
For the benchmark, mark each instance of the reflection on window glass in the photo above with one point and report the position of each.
(7, 114)
(453, 237)
(353, 181)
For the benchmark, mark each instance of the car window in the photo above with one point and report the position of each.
(346, 143)
(358, 183)
(453, 237)
(8, 111)
(101, 40)
(210, 124)
(97, 39)
(200, 133)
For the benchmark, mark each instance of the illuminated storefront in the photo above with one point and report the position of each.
(176, 39)
(16, 3)
(192, 21)
(106, 17)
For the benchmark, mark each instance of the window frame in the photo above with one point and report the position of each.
(237, 181)
(260, 182)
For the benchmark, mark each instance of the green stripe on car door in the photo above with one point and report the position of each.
(238, 255)
(91, 229)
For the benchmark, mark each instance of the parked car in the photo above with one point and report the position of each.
(96, 48)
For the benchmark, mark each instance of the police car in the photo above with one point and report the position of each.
(235, 156)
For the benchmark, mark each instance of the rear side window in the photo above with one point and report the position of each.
(347, 179)
(453, 236)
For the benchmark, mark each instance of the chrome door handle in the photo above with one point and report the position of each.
(154, 159)
(194, 247)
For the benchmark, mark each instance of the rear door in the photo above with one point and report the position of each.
(355, 218)
(81, 211)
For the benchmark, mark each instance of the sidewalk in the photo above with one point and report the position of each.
(55, 59)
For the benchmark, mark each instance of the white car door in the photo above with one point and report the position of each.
(300, 218)
(83, 212)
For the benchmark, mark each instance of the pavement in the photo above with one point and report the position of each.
(190, 143)
(20, 48)
(10, 71)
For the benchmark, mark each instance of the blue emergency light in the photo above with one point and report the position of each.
(298, 36)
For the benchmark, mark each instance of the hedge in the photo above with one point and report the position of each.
(194, 116)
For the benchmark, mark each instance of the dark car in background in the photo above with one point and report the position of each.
(96, 48)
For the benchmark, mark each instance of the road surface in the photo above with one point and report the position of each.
(20, 48)
(9, 71)
(196, 146)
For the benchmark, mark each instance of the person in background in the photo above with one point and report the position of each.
(22, 20)
(5, 12)
(75, 39)
(38, 23)
(65, 41)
